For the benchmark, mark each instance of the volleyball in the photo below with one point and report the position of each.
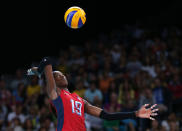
(75, 17)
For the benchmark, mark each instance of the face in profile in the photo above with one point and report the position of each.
(60, 79)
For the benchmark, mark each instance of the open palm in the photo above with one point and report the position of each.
(143, 112)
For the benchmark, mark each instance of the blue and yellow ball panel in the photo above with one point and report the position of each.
(75, 17)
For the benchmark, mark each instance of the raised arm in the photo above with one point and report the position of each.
(141, 113)
(51, 85)
(46, 68)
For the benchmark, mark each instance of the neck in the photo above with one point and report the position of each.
(64, 88)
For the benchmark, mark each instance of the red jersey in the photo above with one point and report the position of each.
(70, 112)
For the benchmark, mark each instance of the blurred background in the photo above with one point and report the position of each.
(126, 55)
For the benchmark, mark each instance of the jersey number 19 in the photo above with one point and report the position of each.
(76, 107)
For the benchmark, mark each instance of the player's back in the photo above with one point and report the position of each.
(70, 112)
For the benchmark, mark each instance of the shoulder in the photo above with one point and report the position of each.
(77, 96)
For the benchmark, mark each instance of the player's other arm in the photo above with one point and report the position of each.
(142, 112)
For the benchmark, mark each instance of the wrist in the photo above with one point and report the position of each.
(45, 61)
(136, 114)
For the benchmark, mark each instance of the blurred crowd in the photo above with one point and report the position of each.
(117, 71)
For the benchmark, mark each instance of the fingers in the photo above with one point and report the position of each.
(29, 72)
(154, 114)
(154, 110)
(152, 107)
(151, 118)
(145, 105)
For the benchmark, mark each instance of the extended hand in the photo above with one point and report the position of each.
(33, 71)
(147, 113)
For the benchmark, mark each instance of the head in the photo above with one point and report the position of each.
(93, 86)
(113, 97)
(34, 80)
(47, 122)
(157, 82)
(19, 109)
(155, 124)
(28, 124)
(172, 117)
(60, 79)
(16, 121)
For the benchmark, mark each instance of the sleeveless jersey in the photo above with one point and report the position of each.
(70, 112)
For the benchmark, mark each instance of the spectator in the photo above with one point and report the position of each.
(134, 65)
(145, 98)
(5, 94)
(126, 92)
(19, 93)
(115, 52)
(19, 78)
(130, 123)
(149, 67)
(80, 88)
(94, 123)
(34, 116)
(154, 126)
(93, 93)
(112, 106)
(173, 126)
(160, 95)
(175, 86)
(43, 113)
(34, 88)
(3, 113)
(171, 123)
(17, 114)
(113, 103)
(42, 129)
(48, 124)
(17, 124)
(28, 125)
(112, 88)
(104, 82)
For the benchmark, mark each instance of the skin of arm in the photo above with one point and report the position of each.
(95, 111)
(92, 110)
(141, 113)
(51, 85)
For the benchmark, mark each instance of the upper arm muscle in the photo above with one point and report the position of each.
(92, 110)
(51, 85)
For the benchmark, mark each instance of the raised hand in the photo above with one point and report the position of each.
(33, 71)
(143, 112)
